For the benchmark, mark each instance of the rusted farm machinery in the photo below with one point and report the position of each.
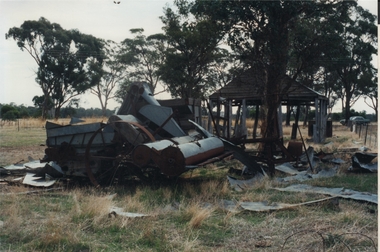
(142, 141)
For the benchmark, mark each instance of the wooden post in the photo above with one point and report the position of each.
(210, 116)
(244, 118)
(218, 116)
(295, 125)
(279, 120)
(256, 121)
(316, 126)
(238, 127)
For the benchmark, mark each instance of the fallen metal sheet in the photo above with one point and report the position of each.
(362, 162)
(287, 168)
(117, 211)
(265, 206)
(305, 175)
(51, 168)
(240, 185)
(31, 180)
(338, 192)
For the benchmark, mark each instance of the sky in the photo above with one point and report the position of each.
(101, 18)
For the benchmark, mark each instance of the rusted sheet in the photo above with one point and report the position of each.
(143, 154)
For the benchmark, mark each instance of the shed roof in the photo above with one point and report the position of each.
(249, 84)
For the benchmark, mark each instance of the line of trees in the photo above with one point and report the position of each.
(326, 45)
(12, 111)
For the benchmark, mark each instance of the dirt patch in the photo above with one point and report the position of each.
(12, 155)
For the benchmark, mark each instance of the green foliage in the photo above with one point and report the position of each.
(66, 60)
(12, 111)
(144, 55)
(189, 66)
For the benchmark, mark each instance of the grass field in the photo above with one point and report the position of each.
(184, 214)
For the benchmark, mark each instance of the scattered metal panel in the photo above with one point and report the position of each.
(159, 115)
(31, 179)
(337, 192)
(287, 168)
(305, 175)
(118, 211)
(240, 185)
(363, 162)
(265, 206)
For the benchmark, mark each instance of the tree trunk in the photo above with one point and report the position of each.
(57, 112)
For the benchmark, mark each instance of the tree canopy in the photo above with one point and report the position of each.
(62, 57)
(286, 41)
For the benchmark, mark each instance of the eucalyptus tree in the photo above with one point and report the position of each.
(62, 57)
(352, 57)
(193, 51)
(283, 40)
(143, 55)
(371, 93)
(109, 75)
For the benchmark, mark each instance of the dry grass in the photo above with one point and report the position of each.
(185, 215)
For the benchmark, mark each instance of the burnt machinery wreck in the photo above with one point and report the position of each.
(142, 140)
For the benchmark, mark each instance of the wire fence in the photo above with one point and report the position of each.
(366, 132)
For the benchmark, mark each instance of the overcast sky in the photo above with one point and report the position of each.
(100, 18)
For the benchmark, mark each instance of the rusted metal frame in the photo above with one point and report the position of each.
(163, 124)
(151, 137)
(212, 118)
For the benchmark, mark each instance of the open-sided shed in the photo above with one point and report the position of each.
(245, 91)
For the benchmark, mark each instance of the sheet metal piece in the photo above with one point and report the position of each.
(306, 175)
(265, 206)
(158, 115)
(118, 211)
(336, 192)
(31, 179)
(240, 185)
(362, 162)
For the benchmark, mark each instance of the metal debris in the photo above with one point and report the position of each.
(240, 185)
(362, 162)
(336, 192)
(118, 211)
(266, 206)
(33, 180)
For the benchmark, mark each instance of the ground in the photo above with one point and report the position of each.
(184, 215)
